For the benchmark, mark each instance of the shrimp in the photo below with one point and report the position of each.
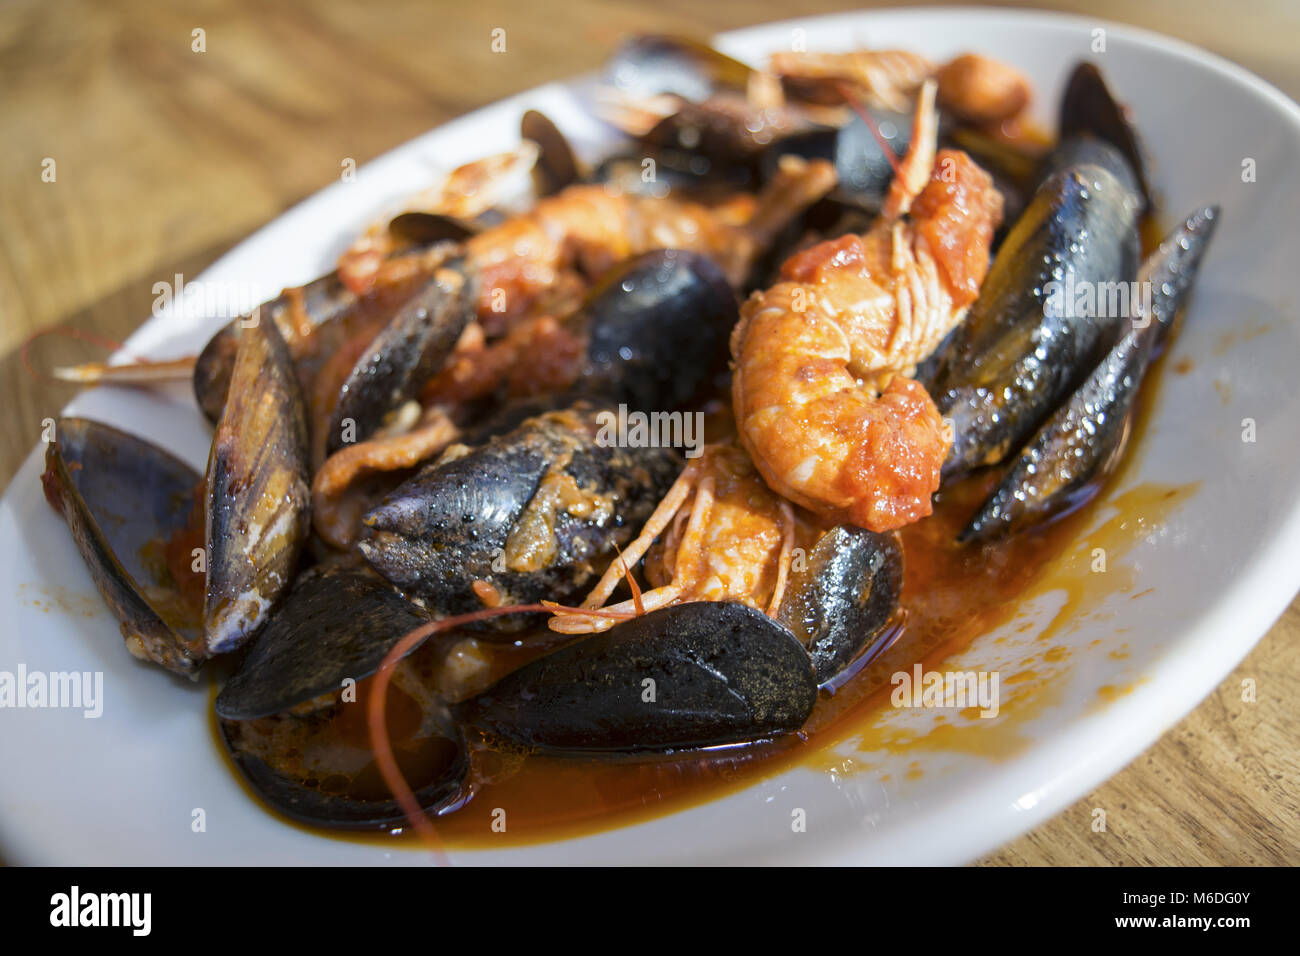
(726, 537)
(466, 192)
(583, 230)
(976, 89)
(820, 391)
(589, 228)
(885, 79)
(537, 356)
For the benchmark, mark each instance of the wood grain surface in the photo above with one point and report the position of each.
(166, 158)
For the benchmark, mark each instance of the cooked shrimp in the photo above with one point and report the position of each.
(887, 79)
(982, 90)
(977, 89)
(467, 191)
(338, 495)
(589, 228)
(726, 537)
(537, 356)
(820, 392)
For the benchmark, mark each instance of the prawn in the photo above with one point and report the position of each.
(589, 228)
(586, 228)
(820, 390)
(725, 537)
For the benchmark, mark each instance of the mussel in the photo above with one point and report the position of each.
(533, 514)
(635, 320)
(403, 356)
(863, 166)
(136, 516)
(320, 301)
(257, 488)
(556, 165)
(684, 676)
(652, 64)
(1089, 110)
(1085, 438)
(300, 737)
(337, 623)
(1028, 341)
(841, 601)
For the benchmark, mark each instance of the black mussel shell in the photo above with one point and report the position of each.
(322, 300)
(336, 623)
(841, 602)
(534, 514)
(653, 64)
(125, 500)
(1063, 465)
(685, 676)
(428, 228)
(257, 491)
(340, 797)
(409, 351)
(556, 165)
(1089, 109)
(637, 318)
(1024, 346)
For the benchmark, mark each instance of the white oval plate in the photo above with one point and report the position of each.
(1197, 587)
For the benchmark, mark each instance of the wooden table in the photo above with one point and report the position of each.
(167, 157)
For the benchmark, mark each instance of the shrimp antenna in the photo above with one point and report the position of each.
(377, 717)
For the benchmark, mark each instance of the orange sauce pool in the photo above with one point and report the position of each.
(951, 596)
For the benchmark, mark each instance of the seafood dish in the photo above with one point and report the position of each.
(617, 472)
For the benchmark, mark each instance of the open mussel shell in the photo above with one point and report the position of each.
(841, 600)
(556, 166)
(533, 514)
(1089, 109)
(318, 768)
(352, 809)
(419, 228)
(297, 736)
(637, 318)
(321, 300)
(405, 354)
(651, 64)
(1063, 465)
(685, 676)
(1081, 150)
(257, 488)
(126, 502)
(336, 624)
(1024, 345)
